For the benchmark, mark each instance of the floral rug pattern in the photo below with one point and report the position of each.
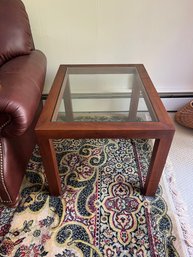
(101, 212)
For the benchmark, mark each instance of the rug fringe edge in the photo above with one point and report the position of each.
(180, 207)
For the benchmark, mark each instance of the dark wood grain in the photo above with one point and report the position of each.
(158, 160)
(50, 165)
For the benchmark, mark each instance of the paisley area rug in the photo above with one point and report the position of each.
(101, 212)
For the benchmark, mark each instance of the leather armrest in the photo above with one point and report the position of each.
(21, 85)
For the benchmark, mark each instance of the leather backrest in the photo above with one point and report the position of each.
(15, 33)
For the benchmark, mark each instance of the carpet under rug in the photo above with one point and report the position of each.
(101, 212)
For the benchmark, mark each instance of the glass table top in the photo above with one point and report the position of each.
(103, 94)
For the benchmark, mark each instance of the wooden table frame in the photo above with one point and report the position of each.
(162, 130)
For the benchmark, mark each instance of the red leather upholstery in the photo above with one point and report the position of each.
(22, 75)
(15, 32)
(15, 99)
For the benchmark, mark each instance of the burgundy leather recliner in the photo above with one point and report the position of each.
(22, 75)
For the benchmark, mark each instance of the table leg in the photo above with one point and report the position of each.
(134, 101)
(68, 102)
(50, 165)
(158, 160)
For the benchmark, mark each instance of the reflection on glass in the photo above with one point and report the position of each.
(105, 94)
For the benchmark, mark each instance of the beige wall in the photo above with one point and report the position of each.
(156, 33)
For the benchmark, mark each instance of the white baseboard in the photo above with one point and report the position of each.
(172, 101)
(175, 104)
(176, 100)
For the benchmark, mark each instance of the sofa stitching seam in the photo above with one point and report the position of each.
(1, 163)
(26, 77)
